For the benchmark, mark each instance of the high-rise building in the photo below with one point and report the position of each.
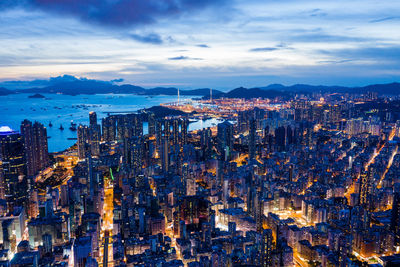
(94, 134)
(206, 142)
(266, 248)
(252, 139)
(225, 139)
(36, 149)
(92, 118)
(395, 220)
(109, 128)
(83, 137)
(129, 125)
(133, 153)
(151, 123)
(2, 182)
(366, 183)
(164, 154)
(12, 154)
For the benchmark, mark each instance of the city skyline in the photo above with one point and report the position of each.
(199, 133)
(193, 44)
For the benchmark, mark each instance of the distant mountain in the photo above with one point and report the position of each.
(87, 87)
(386, 89)
(90, 87)
(4, 91)
(71, 85)
(254, 93)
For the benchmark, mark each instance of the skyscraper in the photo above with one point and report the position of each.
(94, 134)
(395, 220)
(225, 139)
(83, 136)
(92, 118)
(36, 148)
(266, 248)
(109, 128)
(252, 139)
(12, 154)
(366, 183)
(151, 123)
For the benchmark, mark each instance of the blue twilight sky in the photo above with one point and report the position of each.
(202, 43)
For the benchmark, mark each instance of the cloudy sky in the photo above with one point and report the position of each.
(202, 43)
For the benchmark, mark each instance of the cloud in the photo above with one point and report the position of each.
(203, 45)
(151, 38)
(383, 19)
(317, 12)
(263, 49)
(383, 55)
(184, 58)
(335, 61)
(117, 13)
(319, 37)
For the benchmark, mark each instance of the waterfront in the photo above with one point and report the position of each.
(62, 109)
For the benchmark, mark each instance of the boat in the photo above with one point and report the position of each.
(50, 124)
(61, 127)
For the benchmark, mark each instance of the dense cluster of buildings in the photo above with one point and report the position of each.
(315, 182)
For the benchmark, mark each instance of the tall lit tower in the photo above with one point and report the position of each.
(252, 139)
(12, 153)
(35, 142)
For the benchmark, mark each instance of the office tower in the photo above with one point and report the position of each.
(242, 121)
(47, 243)
(366, 183)
(109, 128)
(259, 203)
(280, 138)
(83, 137)
(133, 153)
(182, 230)
(151, 119)
(92, 118)
(129, 125)
(225, 139)
(232, 229)
(35, 143)
(206, 142)
(94, 134)
(12, 154)
(184, 131)
(266, 248)
(395, 220)
(175, 131)
(158, 133)
(252, 139)
(291, 172)
(2, 181)
(164, 155)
